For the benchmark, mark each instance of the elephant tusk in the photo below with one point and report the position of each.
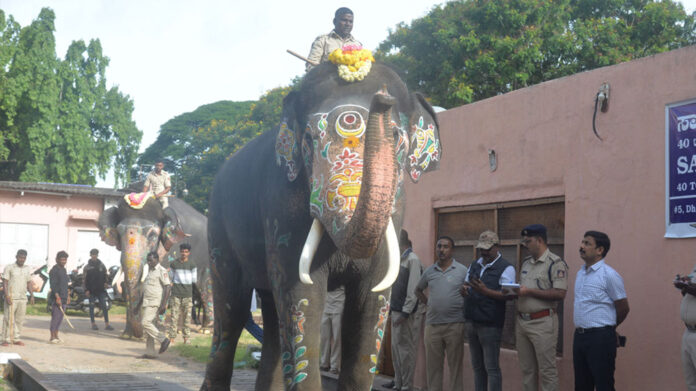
(394, 259)
(309, 249)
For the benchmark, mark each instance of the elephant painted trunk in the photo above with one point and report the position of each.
(133, 259)
(369, 222)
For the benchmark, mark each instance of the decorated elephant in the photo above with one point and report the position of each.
(138, 225)
(311, 205)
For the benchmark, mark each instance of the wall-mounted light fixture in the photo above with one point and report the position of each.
(492, 160)
(601, 100)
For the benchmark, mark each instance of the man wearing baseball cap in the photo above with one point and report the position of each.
(543, 283)
(485, 309)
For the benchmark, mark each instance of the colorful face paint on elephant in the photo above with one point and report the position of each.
(338, 195)
(138, 239)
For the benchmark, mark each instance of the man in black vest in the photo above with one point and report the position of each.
(485, 310)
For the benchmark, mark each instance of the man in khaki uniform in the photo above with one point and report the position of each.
(340, 36)
(543, 283)
(17, 281)
(159, 183)
(156, 290)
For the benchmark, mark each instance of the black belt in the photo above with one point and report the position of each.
(580, 330)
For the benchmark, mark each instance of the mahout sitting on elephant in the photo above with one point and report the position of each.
(311, 205)
(138, 225)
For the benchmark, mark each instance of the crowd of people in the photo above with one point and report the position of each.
(162, 289)
(469, 304)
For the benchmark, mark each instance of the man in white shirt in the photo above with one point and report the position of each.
(600, 306)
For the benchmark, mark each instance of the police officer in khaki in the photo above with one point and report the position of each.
(543, 283)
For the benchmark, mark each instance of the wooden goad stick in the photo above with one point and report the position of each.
(66, 317)
(303, 58)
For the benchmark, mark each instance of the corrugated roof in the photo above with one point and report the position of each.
(61, 188)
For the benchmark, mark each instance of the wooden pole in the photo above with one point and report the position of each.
(66, 317)
(303, 58)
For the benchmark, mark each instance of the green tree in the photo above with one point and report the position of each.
(59, 121)
(473, 49)
(219, 139)
(178, 140)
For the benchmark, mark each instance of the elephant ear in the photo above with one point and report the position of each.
(172, 232)
(287, 150)
(425, 151)
(108, 220)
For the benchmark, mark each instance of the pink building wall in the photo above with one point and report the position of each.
(63, 215)
(545, 145)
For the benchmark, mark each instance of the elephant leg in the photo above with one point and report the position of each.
(231, 299)
(363, 323)
(270, 374)
(206, 284)
(300, 310)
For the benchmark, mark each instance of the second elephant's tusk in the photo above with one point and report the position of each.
(394, 255)
(309, 249)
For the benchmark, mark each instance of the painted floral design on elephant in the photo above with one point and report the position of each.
(426, 149)
(344, 184)
(315, 203)
(294, 364)
(379, 328)
(286, 148)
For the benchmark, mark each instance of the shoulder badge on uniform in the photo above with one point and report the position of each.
(560, 273)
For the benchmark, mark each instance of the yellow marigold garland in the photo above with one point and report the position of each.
(354, 62)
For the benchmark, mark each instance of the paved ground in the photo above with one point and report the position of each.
(99, 360)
